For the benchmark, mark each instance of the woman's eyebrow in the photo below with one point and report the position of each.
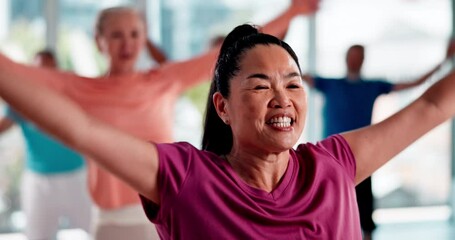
(265, 77)
(258, 75)
(292, 75)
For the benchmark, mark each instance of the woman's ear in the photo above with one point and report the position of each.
(220, 104)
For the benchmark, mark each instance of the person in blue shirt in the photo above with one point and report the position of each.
(349, 105)
(54, 181)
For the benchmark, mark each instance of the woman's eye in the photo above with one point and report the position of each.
(260, 87)
(294, 86)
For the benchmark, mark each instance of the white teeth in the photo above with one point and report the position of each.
(281, 122)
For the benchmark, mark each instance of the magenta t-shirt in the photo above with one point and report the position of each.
(203, 198)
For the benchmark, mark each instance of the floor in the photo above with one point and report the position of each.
(416, 231)
(434, 230)
(69, 234)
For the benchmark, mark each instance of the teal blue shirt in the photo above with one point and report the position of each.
(44, 154)
(349, 104)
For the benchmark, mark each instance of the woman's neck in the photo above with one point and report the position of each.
(260, 171)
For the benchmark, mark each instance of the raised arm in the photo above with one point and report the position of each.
(132, 160)
(279, 26)
(198, 69)
(449, 54)
(417, 82)
(373, 146)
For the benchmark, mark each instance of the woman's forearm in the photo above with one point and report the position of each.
(442, 96)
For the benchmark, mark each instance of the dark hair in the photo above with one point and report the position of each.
(355, 46)
(217, 135)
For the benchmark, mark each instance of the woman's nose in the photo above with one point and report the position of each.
(280, 99)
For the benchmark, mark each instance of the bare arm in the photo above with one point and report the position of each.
(132, 160)
(155, 52)
(449, 54)
(279, 26)
(417, 82)
(373, 146)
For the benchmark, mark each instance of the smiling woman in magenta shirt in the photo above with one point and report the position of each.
(247, 182)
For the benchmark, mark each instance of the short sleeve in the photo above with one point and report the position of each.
(383, 87)
(320, 83)
(339, 148)
(174, 163)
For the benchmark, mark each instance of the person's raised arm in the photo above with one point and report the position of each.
(373, 146)
(417, 82)
(132, 160)
(198, 69)
(279, 26)
(449, 54)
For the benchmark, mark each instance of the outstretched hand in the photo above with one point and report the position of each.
(305, 6)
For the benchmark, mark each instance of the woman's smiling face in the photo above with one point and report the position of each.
(266, 107)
